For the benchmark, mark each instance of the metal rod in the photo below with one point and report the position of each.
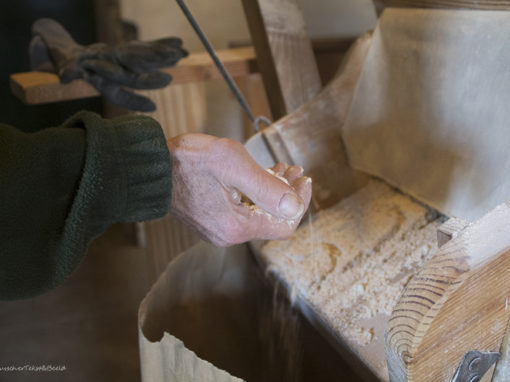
(235, 89)
(226, 75)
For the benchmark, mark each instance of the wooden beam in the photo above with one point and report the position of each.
(35, 88)
(284, 53)
(457, 302)
(499, 5)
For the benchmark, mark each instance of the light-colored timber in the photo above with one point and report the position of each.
(499, 5)
(456, 303)
(284, 53)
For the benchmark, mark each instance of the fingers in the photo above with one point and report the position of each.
(249, 222)
(280, 168)
(154, 80)
(265, 227)
(140, 57)
(292, 173)
(211, 178)
(255, 223)
(303, 187)
(109, 71)
(268, 192)
(239, 170)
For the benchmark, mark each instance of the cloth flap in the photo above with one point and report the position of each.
(431, 113)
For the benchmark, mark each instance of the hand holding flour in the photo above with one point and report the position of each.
(211, 177)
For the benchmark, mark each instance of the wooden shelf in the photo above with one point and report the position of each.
(36, 88)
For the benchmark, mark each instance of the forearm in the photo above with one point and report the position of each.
(63, 186)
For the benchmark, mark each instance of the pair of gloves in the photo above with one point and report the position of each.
(110, 69)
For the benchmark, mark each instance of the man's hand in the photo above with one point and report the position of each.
(210, 178)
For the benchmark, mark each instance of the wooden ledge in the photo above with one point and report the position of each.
(34, 88)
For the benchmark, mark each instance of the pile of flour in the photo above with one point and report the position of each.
(353, 260)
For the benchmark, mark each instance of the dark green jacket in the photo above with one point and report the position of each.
(63, 186)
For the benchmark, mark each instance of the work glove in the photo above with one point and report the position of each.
(108, 68)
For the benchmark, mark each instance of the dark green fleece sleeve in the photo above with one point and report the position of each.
(62, 186)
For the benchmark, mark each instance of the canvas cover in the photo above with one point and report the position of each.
(431, 112)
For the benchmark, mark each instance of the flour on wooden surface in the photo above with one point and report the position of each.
(354, 259)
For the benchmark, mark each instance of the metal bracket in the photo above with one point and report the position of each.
(474, 365)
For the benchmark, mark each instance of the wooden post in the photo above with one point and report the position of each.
(284, 53)
(108, 21)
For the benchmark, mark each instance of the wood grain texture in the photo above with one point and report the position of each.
(499, 5)
(284, 53)
(35, 88)
(456, 303)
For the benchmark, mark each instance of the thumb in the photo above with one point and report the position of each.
(267, 191)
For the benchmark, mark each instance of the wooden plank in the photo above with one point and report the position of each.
(458, 302)
(284, 53)
(499, 5)
(35, 88)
